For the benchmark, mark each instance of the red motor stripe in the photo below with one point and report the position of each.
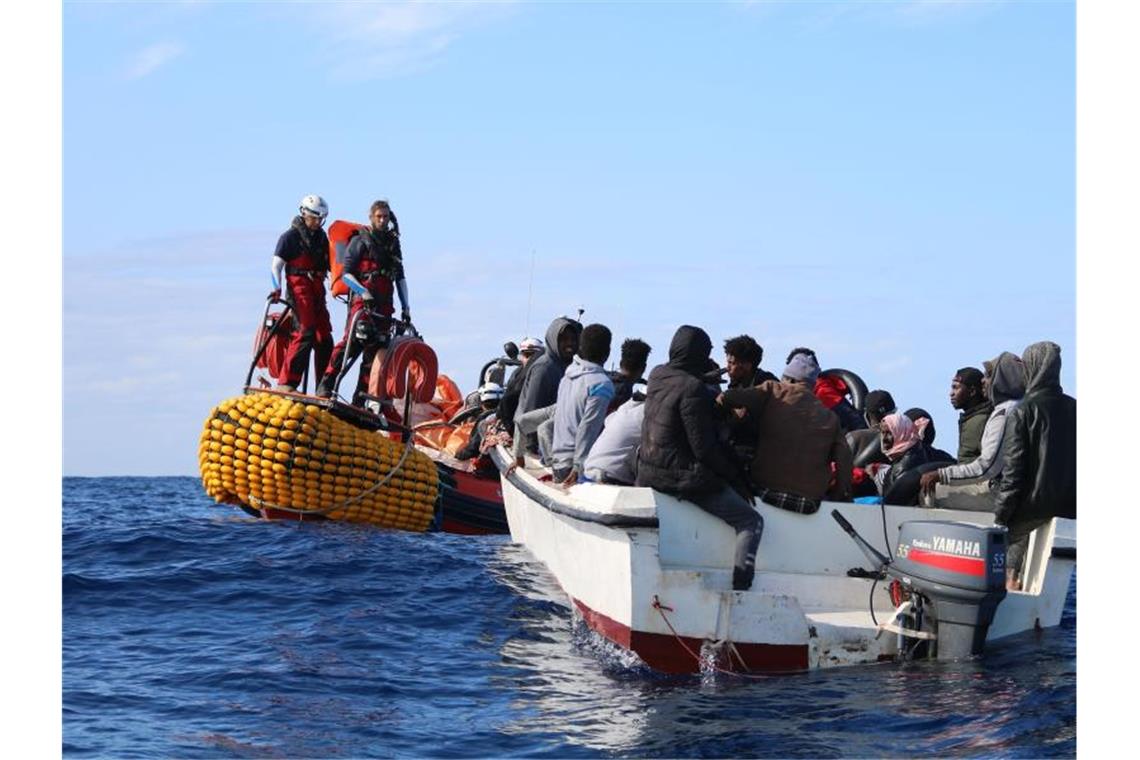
(964, 565)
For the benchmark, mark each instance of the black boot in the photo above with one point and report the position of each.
(742, 578)
(325, 386)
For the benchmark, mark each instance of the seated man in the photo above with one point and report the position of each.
(584, 395)
(489, 396)
(832, 391)
(798, 440)
(932, 454)
(634, 358)
(967, 486)
(967, 396)
(681, 455)
(529, 348)
(544, 373)
(742, 357)
(901, 442)
(613, 459)
(865, 444)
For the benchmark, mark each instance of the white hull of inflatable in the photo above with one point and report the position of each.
(665, 591)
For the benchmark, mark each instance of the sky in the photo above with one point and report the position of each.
(892, 184)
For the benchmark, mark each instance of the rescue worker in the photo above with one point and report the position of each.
(302, 256)
(373, 267)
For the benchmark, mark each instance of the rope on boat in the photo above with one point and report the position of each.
(262, 504)
(732, 650)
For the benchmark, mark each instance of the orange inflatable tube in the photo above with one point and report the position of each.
(411, 367)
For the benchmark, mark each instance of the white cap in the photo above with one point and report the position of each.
(530, 344)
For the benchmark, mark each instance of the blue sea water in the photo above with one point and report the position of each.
(192, 630)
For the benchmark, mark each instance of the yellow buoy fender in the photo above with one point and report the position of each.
(304, 460)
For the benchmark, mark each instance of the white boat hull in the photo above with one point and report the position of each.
(657, 578)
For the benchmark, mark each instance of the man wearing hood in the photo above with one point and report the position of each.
(584, 396)
(681, 454)
(967, 486)
(1039, 477)
(540, 386)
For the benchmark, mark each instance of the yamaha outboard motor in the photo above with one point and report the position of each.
(960, 567)
(958, 570)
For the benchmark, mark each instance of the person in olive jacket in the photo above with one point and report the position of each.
(681, 454)
(1039, 477)
(967, 397)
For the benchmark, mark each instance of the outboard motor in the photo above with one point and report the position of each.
(960, 568)
(958, 571)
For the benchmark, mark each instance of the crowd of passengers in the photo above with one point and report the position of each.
(791, 440)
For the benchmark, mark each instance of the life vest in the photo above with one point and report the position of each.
(340, 233)
(373, 268)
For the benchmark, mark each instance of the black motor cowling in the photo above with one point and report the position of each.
(960, 568)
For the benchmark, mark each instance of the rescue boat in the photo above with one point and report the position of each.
(653, 574)
(296, 456)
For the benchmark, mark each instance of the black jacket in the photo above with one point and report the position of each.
(1039, 476)
(680, 452)
(901, 484)
(510, 401)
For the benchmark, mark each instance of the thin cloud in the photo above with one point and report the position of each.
(384, 40)
(151, 58)
(924, 11)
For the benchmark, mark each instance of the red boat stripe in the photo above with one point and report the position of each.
(951, 562)
(664, 652)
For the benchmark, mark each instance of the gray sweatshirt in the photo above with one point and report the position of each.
(584, 394)
(611, 454)
(988, 464)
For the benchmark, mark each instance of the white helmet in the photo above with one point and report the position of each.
(529, 345)
(490, 392)
(314, 205)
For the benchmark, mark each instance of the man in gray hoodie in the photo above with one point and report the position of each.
(967, 486)
(584, 395)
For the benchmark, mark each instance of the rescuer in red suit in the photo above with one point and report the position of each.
(373, 269)
(302, 256)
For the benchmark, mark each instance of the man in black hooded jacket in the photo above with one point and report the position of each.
(540, 384)
(681, 454)
(1039, 444)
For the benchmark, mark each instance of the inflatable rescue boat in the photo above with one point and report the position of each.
(296, 456)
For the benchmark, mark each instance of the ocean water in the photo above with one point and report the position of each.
(192, 630)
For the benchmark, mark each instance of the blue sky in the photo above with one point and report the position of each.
(892, 184)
